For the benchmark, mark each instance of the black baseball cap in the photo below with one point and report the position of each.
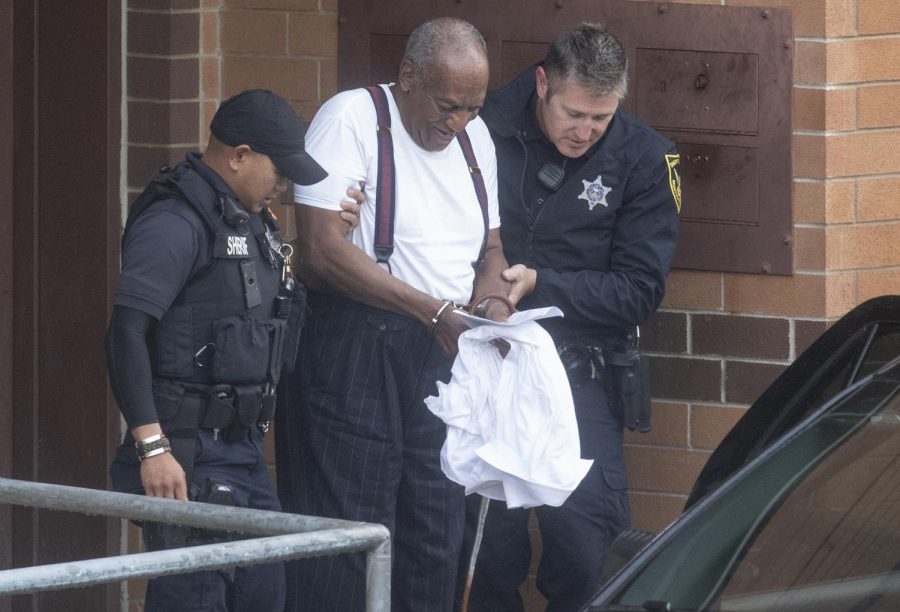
(267, 123)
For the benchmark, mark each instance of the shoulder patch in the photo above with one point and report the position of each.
(672, 161)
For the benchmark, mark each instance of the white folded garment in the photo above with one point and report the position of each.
(511, 432)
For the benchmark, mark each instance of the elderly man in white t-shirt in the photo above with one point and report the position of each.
(354, 437)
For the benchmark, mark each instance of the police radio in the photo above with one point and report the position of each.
(235, 216)
(552, 174)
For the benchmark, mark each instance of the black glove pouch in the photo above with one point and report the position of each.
(248, 401)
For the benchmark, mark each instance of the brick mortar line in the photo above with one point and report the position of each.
(285, 11)
(879, 130)
(852, 37)
(689, 330)
(173, 56)
(688, 448)
(887, 268)
(651, 492)
(713, 357)
(878, 83)
(854, 179)
(843, 86)
(172, 146)
(726, 405)
(723, 359)
(146, 11)
(723, 381)
(223, 9)
(843, 179)
(850, 224)
(719, 313)
(166, 101)
(269, 56)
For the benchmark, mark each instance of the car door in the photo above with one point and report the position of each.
(809, 524)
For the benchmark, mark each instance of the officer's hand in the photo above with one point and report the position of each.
(350, 208)
(523, 280)
(447, 330)
(162, 476)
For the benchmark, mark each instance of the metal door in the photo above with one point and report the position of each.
(59, 205)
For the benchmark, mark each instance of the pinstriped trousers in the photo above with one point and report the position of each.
(354, 440)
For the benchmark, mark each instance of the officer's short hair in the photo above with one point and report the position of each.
(589, 56)
(433, 38)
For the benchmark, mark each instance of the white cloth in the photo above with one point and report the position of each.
(511, 432)
(438, 226)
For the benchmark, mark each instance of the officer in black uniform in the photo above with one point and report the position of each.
(589, 197)
(206, 316)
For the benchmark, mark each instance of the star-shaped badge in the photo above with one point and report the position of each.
(595, 192)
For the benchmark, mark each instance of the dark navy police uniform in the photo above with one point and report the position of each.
(601, 244)
(214, 349)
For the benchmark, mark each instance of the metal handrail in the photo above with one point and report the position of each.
(291, 536)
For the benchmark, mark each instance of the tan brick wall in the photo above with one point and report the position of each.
(289, 46)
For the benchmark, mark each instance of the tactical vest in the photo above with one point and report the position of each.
(230, 322)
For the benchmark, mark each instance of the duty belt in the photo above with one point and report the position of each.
(231, 409)
(624, 373)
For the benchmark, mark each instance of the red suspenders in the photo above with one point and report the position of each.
(384, 198)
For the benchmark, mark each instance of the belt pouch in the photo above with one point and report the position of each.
(247, 404)
(632, 388)
(219, 410)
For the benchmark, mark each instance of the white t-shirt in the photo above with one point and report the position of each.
(438, 227)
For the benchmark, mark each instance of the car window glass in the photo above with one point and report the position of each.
(730, 546)
(834, 542)
(885, 347)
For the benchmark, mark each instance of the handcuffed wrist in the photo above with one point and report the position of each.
(481, 306)
(444, 305)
